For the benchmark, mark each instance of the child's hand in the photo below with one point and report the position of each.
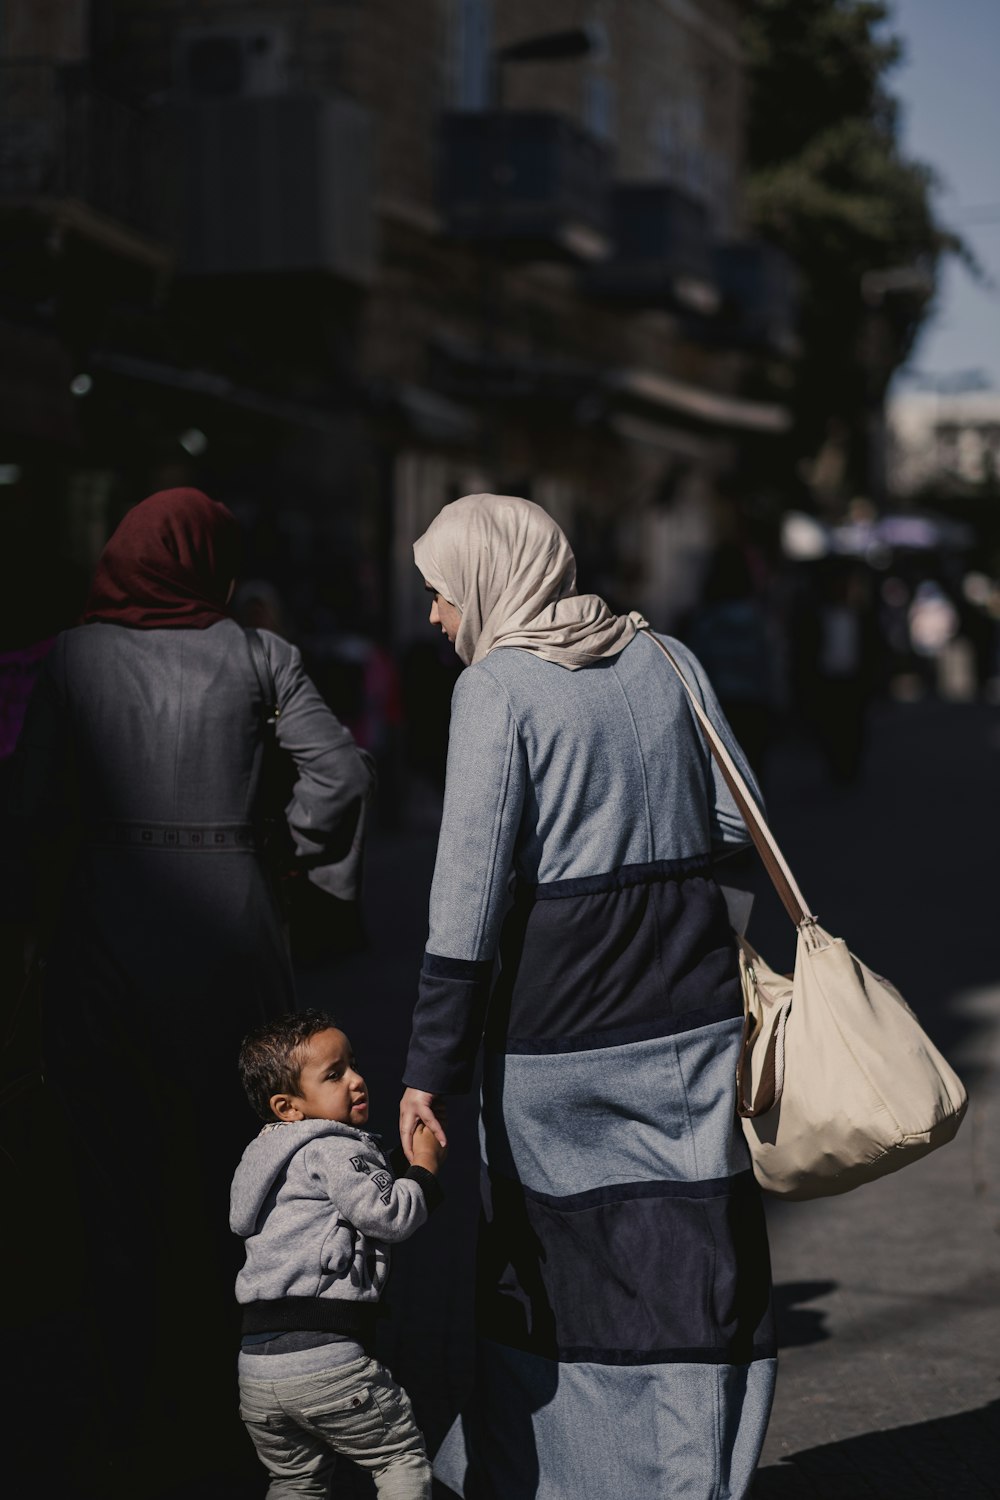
(416, 1105)
(428, 1151)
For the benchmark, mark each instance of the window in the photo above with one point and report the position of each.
(599, 105)
(472, 45)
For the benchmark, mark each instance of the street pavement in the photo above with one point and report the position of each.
(888, 1298)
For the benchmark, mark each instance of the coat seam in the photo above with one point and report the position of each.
(488, 884)
(687, 1109)
(719, 1435)
(650, 895)
(254, 795)
(180, 721)
(642, 764)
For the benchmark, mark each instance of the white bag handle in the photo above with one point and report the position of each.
(774, 861)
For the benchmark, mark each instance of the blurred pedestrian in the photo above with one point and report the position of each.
(933, 623)
(623, 1283)
(145, 740)
(836, 654)
(257, 603)
(430, 670)
(355, 670)
(728, 633)
(979, 626)
(894, 629)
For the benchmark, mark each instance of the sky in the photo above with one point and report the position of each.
(949, 89)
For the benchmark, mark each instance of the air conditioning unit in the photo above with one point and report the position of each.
(281, 184)
(230, 62)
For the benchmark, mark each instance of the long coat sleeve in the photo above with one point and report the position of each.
(483, 806)
(334, 779)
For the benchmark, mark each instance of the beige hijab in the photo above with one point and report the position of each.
(509, 570)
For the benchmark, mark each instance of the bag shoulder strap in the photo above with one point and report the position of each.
(261, 664)
(764, 841)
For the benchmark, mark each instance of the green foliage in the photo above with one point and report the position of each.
(829, 184)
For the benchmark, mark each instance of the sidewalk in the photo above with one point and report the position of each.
(888, 1297)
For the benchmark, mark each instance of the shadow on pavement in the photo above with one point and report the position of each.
(797, 1324)
(948, 1458)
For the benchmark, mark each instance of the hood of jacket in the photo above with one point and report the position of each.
(264, 1161)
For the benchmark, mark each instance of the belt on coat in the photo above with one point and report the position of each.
(213, 838)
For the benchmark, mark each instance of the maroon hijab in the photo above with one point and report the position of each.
(168, 565)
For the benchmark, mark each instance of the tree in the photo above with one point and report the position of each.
(829, 184)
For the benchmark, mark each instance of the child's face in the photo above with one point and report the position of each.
(330, 1086)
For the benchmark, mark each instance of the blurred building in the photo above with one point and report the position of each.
(943, 441)
(339, 263)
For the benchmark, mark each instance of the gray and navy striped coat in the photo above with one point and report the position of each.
(623, 1297)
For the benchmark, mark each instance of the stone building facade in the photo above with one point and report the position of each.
(377, 265)
(944, 443)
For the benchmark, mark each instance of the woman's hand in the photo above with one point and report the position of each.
(417, 1107)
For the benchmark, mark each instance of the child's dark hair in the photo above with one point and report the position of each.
(270, 1057)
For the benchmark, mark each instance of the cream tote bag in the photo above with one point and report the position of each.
(837, 1083)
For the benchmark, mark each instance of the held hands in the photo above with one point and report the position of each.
(428, 1151)
(417, 1108)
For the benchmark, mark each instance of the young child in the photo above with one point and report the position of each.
(317, 1207)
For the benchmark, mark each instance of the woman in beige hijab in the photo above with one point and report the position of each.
(576, 924)
(512, 570)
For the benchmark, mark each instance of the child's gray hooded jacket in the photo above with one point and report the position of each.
(317, 1207)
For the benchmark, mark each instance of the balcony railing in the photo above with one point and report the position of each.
(760, 296)
(529, 182)
(62, 138)
(662, 253)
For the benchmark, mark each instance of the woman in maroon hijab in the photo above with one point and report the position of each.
(170, 565)
(146, 737)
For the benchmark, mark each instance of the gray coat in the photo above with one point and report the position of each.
(622, 1300)
(151, 743)
(168, 945)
